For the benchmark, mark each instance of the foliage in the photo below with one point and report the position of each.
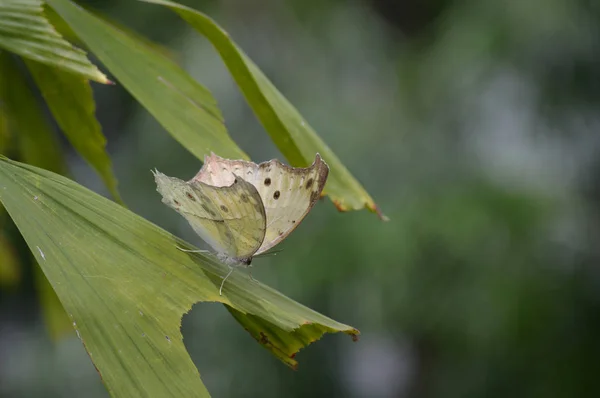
(123, 283)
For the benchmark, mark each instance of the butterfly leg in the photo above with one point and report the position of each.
(191, 251)
(222, 283)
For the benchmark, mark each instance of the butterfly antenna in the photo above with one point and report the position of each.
(222, 283)
(191, 251)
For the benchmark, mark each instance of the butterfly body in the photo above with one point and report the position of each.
(234, 261)
(242, 209)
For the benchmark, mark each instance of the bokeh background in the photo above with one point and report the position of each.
(475, 126)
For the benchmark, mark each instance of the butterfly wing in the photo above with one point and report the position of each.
(288, 193)
(231, 219)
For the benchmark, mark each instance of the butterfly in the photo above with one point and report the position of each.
(242, 209)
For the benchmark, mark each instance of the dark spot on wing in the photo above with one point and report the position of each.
(176, 202)
(190, 196)
(276, 195)
(267, 181)
(314, 195)
(224, 208)
(309, 183)
(293, 221)
(244, 198)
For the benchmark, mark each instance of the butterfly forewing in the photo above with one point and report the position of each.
(240, 206)
(231, 219)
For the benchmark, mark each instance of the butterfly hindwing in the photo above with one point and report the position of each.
(231, 219)
(287, 193)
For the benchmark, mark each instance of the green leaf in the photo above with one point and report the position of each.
(37, 143)
(65, 30)
(25, 31)
(183, 107)
(125, 285)
(69, 97)
(289, 131)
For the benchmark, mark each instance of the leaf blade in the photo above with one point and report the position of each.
(25, 31)
(125, 285)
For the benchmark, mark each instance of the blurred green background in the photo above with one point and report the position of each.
(473, 124)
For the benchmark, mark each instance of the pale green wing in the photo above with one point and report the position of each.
(231, 219)
(288, 193)
(288, 198)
